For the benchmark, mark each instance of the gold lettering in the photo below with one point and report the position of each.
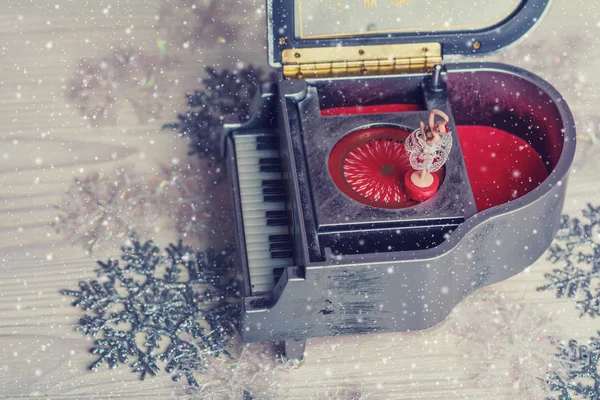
(370, 3)
(331, 5)
(400, 2)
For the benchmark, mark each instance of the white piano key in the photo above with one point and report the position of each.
(254, 198)
(255, 214)
(263, 246)
(251, 215)
(265, 273)
(251, 175)
(254, 158)
(247, 147)
(266, 258)
(264, 287)
(265, 230)
(268, 278)
(245, 139)
(253, 190)
(263, 238)
(268, 262)
(263, 206)
(257, 219)
(259, 205)
(251, 183)
(259, 246)
(257, 240)
(263, 280)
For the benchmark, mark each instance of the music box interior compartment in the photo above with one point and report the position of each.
(503, 149)
(372, 213)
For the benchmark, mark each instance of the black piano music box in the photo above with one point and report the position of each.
(358, 209)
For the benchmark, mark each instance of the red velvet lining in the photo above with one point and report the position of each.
(501, 166)
(378, 109)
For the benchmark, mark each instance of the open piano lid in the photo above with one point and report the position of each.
(461, 27)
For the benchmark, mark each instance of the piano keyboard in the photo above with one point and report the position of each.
(264, 214)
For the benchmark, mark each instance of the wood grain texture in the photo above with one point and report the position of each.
(44, 144)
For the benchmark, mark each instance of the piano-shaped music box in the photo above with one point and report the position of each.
(376, 185)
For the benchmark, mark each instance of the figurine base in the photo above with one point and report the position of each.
(417, 193)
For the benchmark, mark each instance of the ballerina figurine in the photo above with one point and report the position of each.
(428, 148)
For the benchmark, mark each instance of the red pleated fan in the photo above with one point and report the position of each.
(369, 165)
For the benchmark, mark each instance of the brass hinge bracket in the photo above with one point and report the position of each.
(327, 62)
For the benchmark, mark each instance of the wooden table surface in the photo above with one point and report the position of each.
(45, 143)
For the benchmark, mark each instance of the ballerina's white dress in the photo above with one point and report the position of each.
(427, 156)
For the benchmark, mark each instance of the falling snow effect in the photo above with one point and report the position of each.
(127, 78)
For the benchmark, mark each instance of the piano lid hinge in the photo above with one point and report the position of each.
(328, 62)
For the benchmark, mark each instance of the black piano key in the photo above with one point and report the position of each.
(269, 161)
(277, 272)
(281, 254)
(274, 190)
(267, 143)
(267, 146)
(272, 183)
(279, 238)
(277, 222)
(267, 139)
(274, 199)
(276, 214)
(280, 246)
(270, 168)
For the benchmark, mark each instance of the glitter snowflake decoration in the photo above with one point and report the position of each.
(182, 298)
(125, 75)
(101, 208)
(506, 343)
(204, 24)
(581, 379)
(225, 95)
(577, 249)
